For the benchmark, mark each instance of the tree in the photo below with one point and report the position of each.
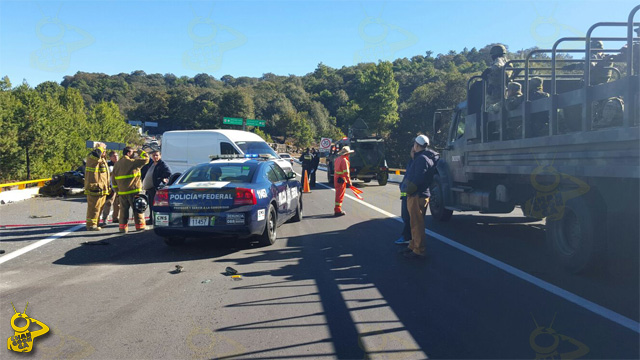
(377, 96)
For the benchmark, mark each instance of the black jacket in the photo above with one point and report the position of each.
(160, 172)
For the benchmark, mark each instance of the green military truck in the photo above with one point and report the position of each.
(367, 163)
(571, 158)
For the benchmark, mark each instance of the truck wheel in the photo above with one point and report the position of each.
(436, 202)
(578, 237)
(382, 178)
(174, 241)
(268, 236)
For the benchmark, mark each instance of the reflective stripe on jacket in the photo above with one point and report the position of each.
(342, 169)
(126, 174)
(96, 174)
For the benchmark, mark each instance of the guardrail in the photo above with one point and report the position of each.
(23, 184)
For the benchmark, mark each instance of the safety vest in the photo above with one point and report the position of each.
(342, 169)
(96, 174)
(126, 174)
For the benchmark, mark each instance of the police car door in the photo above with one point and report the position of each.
(292, 191)
(279, 182)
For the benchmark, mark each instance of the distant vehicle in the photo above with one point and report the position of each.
(367, 163)
(286, 156)
(183, 149)
(240, 197)
(571, 158)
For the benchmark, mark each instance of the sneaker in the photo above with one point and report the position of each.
(412, 255)
(402, 241)
(341, 213)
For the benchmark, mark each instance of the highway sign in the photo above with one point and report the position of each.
(232, 121)
(151, 124)
(254, 122)
(325, 144)
(135, 122)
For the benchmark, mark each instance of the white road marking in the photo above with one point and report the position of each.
(37, 244)
(569, 296)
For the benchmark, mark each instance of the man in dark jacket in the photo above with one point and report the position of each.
(315, 161)
(416, 186)
(154, 174)
(306, 158)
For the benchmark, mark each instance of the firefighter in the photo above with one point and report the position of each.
(96, 184)
(126, 176)
(306, 159)
(342, 178)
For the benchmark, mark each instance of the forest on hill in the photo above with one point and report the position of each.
(44, 128)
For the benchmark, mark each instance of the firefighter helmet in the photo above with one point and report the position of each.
(140, 203)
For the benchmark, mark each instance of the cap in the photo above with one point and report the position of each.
(422, 140)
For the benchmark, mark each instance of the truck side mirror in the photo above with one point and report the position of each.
(437, 121)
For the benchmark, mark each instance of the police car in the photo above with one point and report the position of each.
(242, 197)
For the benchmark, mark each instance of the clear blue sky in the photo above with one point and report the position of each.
(46, 40)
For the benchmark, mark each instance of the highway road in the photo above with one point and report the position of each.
(329, 288)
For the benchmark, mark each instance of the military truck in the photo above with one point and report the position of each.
(367, 163)
(571, 158)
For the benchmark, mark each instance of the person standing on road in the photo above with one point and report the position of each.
(315, 162)
(306, 159)
(126, 174)
(341, 178)
(96, 184)
(405, 237)
(418, 179)
(154, 174)
(112, 198)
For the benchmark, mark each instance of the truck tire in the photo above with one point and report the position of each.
(436, 202)
(578, 238)
(382, 178)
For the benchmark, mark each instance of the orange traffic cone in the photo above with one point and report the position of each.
(305, 184)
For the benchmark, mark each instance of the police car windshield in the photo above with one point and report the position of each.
(256, 148)
(221, 171)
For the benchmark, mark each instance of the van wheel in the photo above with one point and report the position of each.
(436, 202)
(577, 237)
(174, 241)
(268, 236)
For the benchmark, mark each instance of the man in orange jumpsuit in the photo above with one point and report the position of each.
(341, 178)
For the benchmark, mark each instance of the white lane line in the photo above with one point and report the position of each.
(569, 296)
(37, 244)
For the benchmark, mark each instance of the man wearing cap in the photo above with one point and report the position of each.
(342, 178)
(536, 89)
(418, 179)
(514, 96)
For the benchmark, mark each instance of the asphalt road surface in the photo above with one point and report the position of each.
(329, 288)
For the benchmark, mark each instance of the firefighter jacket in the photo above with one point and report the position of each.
(342, 170)
(126, 174)
(96, 174)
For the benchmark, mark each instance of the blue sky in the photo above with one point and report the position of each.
(46, 40)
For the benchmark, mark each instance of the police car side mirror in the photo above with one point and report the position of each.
(291, 175)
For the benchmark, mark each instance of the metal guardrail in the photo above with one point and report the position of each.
(23, 184)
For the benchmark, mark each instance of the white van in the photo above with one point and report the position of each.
(182, 149)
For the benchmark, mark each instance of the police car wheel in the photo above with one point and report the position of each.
(268, 236)
(174, 241)
(298, 215)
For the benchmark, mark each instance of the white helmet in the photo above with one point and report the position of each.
(422, 140)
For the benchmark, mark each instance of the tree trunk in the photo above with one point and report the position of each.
(28, 164)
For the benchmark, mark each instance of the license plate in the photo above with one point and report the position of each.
(199, 221)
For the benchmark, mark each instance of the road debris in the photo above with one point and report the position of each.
(179, 269)
(40, 216)
(236, 277)
(205, 281)
(230, 271)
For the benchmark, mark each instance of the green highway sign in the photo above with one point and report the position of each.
(254, 122)
(232, 121)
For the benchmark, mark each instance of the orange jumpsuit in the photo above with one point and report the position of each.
(341, 172)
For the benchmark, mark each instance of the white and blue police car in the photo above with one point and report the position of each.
(243, 197)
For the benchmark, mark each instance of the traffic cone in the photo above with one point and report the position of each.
(305, 183)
